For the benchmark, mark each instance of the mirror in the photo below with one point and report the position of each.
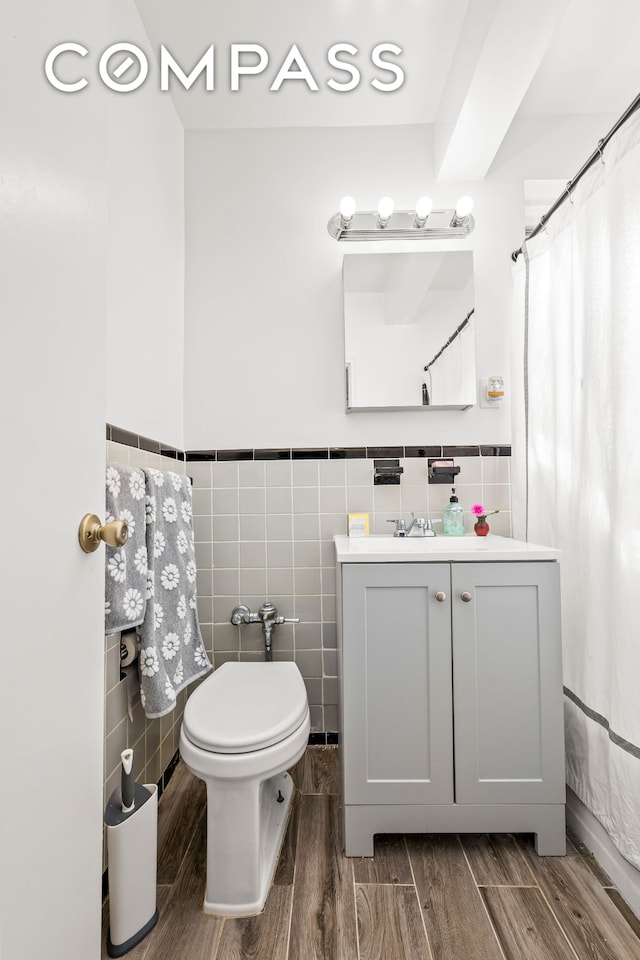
(402, 312)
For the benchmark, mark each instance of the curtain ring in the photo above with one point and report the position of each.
(600, 144)
(568, 190)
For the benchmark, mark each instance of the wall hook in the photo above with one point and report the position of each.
(91, 532)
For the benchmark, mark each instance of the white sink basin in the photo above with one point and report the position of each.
(390, 549)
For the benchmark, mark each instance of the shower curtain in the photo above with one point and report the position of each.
(451, 370)
(577, 466)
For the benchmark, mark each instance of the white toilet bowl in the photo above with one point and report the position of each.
(243, 728)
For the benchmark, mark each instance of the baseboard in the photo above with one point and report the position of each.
(623, 875)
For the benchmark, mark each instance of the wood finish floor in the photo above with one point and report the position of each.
(437, 897)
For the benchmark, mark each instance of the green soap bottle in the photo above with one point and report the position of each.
(453, 519)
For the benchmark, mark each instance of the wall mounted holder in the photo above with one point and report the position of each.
(387, 472)
(442, 471)
(491, 392)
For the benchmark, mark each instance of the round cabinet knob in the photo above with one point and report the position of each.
(441, 596)
(466, 597)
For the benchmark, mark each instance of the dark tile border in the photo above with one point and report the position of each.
(309, 453)
(347, 453)
(169, 772)
(129, 439)
(123, 436)
(423, 452)
(272, 454)
(118, 435)
(495, 451)
(234, 455)
(200, 455)
(461, 451)
(384, 453)
(323, 739)
(152, 446)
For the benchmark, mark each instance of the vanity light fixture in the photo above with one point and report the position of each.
(424, 207)
(347, 210)
(385, 209)
(464, 206)
(386, 223)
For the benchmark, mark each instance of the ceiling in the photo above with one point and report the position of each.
(471, 66)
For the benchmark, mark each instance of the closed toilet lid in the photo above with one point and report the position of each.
(246, 706)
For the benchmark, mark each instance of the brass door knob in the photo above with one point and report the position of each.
(91, 532)
(441, 596)
(465, 597)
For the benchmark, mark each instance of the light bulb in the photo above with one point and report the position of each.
(423, 209)
(385, 209)
(464, 206)
(347, 209)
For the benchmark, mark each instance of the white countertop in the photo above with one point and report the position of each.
(470, 548)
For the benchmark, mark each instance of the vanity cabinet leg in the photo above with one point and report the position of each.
(551, 838)
(358, 839)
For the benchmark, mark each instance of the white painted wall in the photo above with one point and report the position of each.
(53, 206)
(146, 253)
(264, 349)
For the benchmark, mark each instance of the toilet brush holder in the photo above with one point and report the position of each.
(132, 846)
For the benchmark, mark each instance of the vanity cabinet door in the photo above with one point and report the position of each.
(507, 668)
(396, 673)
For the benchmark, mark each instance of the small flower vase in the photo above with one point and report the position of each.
(481, 528)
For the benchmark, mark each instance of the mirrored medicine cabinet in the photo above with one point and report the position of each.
(404, 312)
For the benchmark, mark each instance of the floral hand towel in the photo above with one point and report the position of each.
(126, 567)
(172, 653)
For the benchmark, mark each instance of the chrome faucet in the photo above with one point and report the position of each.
(419, 527)
(267, 615)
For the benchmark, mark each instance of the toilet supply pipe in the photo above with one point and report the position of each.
(267, 615)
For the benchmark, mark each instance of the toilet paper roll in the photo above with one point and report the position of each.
(128, 649)
(133, 687)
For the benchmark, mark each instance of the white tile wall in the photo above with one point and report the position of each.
(267, 527)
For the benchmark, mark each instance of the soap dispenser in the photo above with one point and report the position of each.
(454, 517)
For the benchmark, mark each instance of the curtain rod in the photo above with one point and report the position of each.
(596, 155)
(455, 333)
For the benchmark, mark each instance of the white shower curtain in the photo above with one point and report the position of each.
(449, 376)
(577, 472)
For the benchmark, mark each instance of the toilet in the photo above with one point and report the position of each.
(242, 729)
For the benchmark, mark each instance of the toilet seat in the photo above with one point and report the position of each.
(244, 707)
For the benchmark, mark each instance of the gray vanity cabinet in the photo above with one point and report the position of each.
(398, 744)
(451, 700)
(507, 667)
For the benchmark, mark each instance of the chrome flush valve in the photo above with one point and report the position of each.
(267, 615)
